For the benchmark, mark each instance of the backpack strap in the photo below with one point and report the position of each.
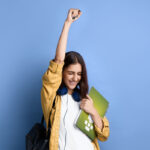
(42, 120)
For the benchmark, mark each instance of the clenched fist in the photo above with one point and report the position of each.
(73, 14)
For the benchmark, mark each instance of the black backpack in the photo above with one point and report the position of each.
(37, 138)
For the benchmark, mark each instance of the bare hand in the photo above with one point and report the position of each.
(73, 14)
(87, 105)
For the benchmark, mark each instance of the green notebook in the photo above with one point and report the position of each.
(84, 121)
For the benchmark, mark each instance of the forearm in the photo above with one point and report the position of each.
(62, 43)
(97, 119)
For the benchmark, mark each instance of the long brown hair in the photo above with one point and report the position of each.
(73, 57)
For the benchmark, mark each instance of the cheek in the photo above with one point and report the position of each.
(79, 78)
(66, 77)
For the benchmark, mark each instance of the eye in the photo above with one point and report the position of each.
(70, 73)
(79, 74)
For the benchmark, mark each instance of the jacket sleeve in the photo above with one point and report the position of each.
(103, 134)
(51, 81)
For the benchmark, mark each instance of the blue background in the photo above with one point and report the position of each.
(113, 37)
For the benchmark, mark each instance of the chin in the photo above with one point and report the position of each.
(72, 87)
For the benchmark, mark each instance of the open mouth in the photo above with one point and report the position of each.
(72, 83)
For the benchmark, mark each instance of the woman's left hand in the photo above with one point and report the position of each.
(87, 105)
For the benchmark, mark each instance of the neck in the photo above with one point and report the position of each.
(70, 92)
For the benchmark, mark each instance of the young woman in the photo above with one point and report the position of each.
(66, 81)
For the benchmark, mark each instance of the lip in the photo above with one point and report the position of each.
(72, 83)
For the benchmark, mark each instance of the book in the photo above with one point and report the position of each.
(84, 121)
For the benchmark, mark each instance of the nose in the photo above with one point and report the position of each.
(75, 78)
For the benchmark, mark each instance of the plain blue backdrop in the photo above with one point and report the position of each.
(113, 36)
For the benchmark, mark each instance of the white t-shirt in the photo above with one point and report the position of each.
(70, 137)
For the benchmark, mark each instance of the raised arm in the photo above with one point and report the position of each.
(52, 78)
(73, 14)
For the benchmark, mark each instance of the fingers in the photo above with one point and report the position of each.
(83, 101)
(76, 17)
(86, 99)
(86, 105)
(89, 97)
(83, 104)
(75, 13)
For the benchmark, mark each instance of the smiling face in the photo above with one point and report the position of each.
(72, 76)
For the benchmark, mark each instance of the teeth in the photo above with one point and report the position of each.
(72, 83)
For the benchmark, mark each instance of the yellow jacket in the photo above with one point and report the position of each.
(51, 81)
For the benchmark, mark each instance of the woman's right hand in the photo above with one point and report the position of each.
(73, 14)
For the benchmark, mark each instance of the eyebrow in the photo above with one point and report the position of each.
(74, 72)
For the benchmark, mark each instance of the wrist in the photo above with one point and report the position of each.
(94, 112)
(68, 22)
